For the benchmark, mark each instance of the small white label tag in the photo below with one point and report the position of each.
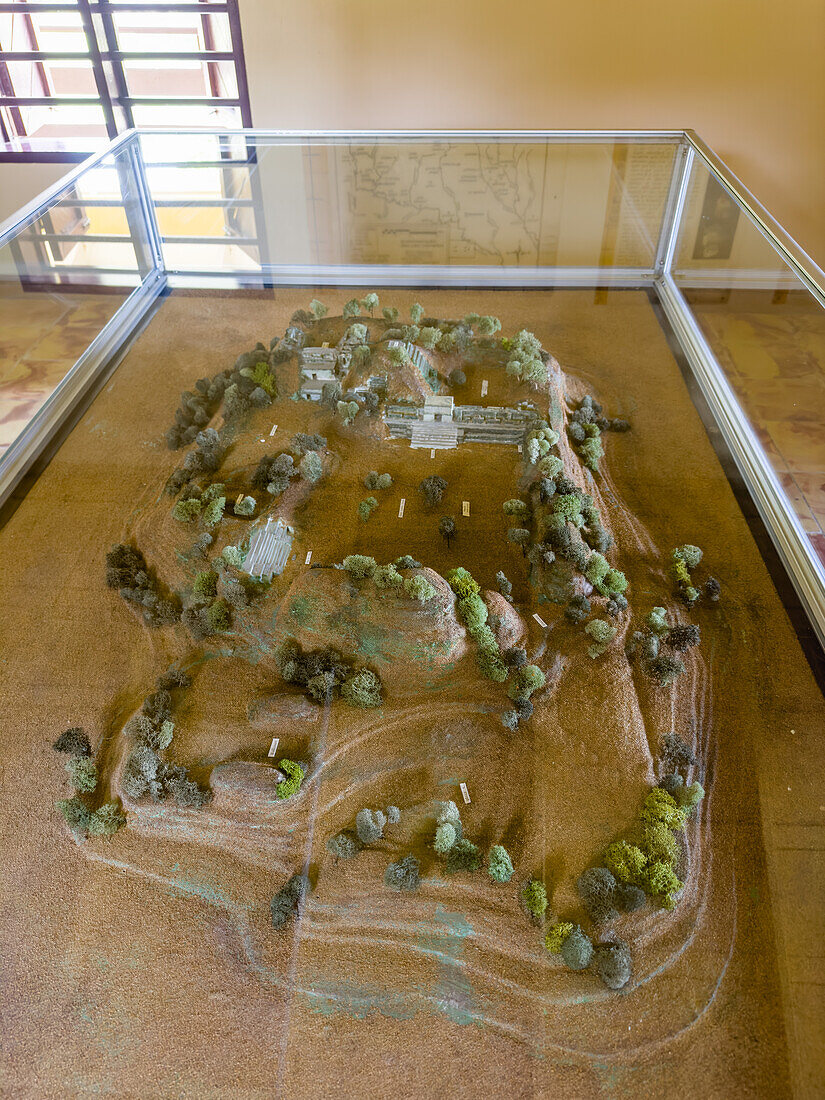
(465, 794)
(484, 388)
(520, 449)
(401, 507)
(308, 558)
(540, 620)
(273, 748)
(238, 501)
(432, 452)
(465, 507)
(274, 430)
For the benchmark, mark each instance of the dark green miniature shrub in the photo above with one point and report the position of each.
(403, 875)
(527, 679)
(432, 489)
(510, 719)
(675, 753)
(613, 963)
(369, 825)
(713, 589)
(457, 377)
(446, 528)
(515, 657)
(681, 638)
(628, 897)
(463, 856)
(362, 689)
(499, 864)
(406, 561)
(504, 586)
(287, 903)
(597, 889)
(73, 741)
(219, 616)
(294, 778)
(534, 896)
(577, 950)
(578, 609)
(106, 820)
(359, 566)
(205, 584)
(82, 773)
(76, 814)
(665, 669)
(126, 570)
(344, 845)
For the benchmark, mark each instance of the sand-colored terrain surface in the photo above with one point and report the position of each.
(145, 965)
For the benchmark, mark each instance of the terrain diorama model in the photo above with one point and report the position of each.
(377, 716)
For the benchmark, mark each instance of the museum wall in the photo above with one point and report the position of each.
(21, 182)
(746, 74)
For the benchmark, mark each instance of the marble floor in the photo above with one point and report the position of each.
(772, 347)
(41, 337)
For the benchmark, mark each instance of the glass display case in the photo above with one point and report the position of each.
(404, 533)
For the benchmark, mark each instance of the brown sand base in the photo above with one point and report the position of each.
(145, 966)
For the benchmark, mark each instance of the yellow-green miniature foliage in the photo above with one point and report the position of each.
(359, 566)
(661, 882)
(626, 862)
(660, 809)
(657, 621)
(602, 634)
(615, 582)
(596, 569)
(419, 588)
(214, 512)
(262, 376)
(556, 935)
(212, 492)
(534, 896)
(660, 845)
(680, 573)
(569, 506)
(527, 679)
(690, 555)
(387, 576)
(689, 798)
(82, 773)
(591, 450)
(107, 820)
(462, 583)
(205, 583)
(186, 511)
(473, 612)
(219, 615)
(294, 778)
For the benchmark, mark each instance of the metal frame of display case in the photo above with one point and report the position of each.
(777, 512)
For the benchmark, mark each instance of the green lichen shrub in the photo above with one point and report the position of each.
(288, 902)
(556, 935)
(510, 720)
(538, 443)
(74, 742)
(76, 814)
(187, 511)
(234, 556)
(344, 845)
(107, 820)
(613, 963)
(352, 308)
(362, 689)
(219, 616)
(347, 410)
(387, 577)
(445, 837)
(534, 897)
(369, 825)
(516, 507)
(82, 773)
(526, 680)
(273, 473)
(626, 861)
(689, 797)
(405, 874)
(597, 889)
(419, 588)
(294, 773)
(504, 586)
(683, 560)
(472, 611)
(499, 865)
(602, 634)
(393, 815)
(629, 898)
(205, 584)
(213, 512)
(374, 481)
(370, 302)
(577, 949)
(675, 753)
(462, 583)
(366, 508)
(245, 506)
(318, 309)
(359, 566)
(525, 362)
(577, 609)
(128, 572)
(683, 637)
(656, 621)
(311, 467)
(664, 669)
(262, 377)
(660, 808)
(463, 856)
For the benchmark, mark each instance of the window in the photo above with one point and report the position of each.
(81, 71)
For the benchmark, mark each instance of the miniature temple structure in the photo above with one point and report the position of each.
(438, 423)
(318, 367)
(269, 549)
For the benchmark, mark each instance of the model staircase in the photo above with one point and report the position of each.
(434, 435)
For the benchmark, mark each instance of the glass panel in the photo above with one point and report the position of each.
(768, 334)
(64, 122)
(180, 78)
(62, 276)
(177, 31)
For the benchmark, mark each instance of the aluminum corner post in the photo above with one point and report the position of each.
(792, 543)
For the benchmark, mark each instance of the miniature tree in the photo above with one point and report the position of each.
(499, 864)
(106, 820)
(556, 935)
(597, 889)
(602, 634)
(390, 314)
(520, 536)
(82, 773)
(366, 508)
(504, 586)
(416, 312)
(516, 507)
(294, 778)
(362, 689)
(577, 950)
(445, 837)
(187, 511)
(432, 489)
(463, 856)
(446, 528)
(456, 377)
(287, 903)
(76, 814)
(245, 506)
(205, 584)
(213, 513)
(683, 637)
(374, 480)
(311, 467)
(348, 410)
(613, 963)
(527, 679)
(352, 308)
(534, 896)
(317, 309)
(387, 576)
(370, 302)
(403, 875)
(369, 825)
(429, 337)
(657, 621)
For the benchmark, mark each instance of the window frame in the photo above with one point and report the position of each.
(108, 69)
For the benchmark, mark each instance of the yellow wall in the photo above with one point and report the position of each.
(748, 75)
